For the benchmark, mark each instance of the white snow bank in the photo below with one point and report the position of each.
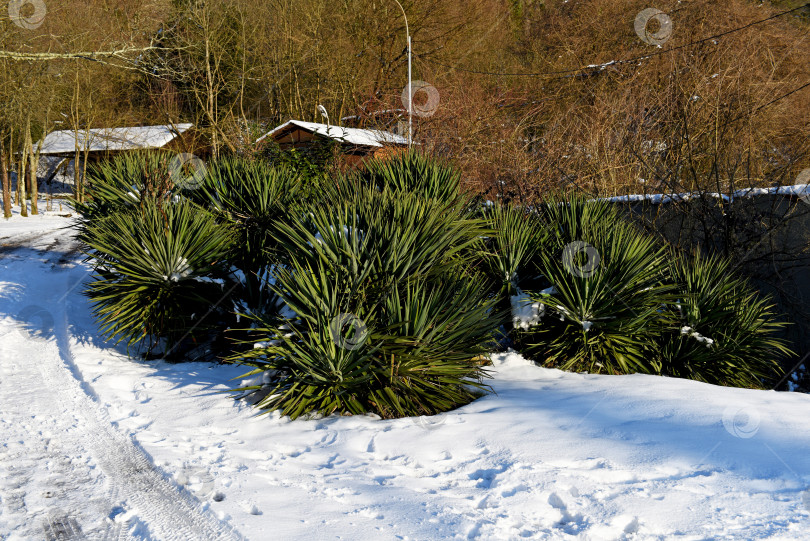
(525, 312)
(796, 190)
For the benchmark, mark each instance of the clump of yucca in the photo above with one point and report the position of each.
(253, 198)
(605, 284)
(390, 316)
(152, 272)
(720, 331)
(614, 300)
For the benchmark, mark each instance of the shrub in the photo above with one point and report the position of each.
(617, 302)
(607, 285)
(149, 265)
(721, 332)
(126, 182)
(510, 252)
(385, 274)
(413, 172)
(415, 355)
(254, 197)
(373, 237)
(312, 165)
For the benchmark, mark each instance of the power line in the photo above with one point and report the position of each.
(599, 67)
(763, 106)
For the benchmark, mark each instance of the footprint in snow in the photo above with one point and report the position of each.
(508, 493)
(250, 507)
(555, 501)
(61, 528)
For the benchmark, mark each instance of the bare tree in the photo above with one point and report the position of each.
(6, 185)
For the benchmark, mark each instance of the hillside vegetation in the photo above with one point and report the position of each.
(520, 109)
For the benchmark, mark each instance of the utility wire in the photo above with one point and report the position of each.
(599, 67)
(764, 105)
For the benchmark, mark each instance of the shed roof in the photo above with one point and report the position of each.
(106, 139)
(352, 136)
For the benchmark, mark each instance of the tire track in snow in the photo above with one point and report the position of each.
(166, 511)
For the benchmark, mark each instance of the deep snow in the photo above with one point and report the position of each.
(95, 442)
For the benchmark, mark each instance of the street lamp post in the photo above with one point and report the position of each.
(410, 86)
(325, 114)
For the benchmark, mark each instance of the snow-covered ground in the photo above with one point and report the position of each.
(96, 445)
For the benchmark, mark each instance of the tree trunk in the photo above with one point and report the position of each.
(84, 167)
(22, 197)
(75, 118)
(77, 181)
(5, 180)
(32, 174)
(210, 101)
(33, 189)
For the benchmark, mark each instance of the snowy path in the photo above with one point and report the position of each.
(93, 441)
(58, 439)
(44, 454)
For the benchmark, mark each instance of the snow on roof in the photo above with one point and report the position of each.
(352, 136)
(103, 139)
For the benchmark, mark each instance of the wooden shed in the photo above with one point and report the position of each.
(356, 144)
(105, 141)
(57, 150)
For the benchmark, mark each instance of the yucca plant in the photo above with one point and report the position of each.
(125, 182)
(438, 332)
(721, 331)
(151, 269)
(392, 264)
(254, 197)
(607, 284)
(373, 239)
(510, 252)
(413, 172)
(307, 370)
(416, 354)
